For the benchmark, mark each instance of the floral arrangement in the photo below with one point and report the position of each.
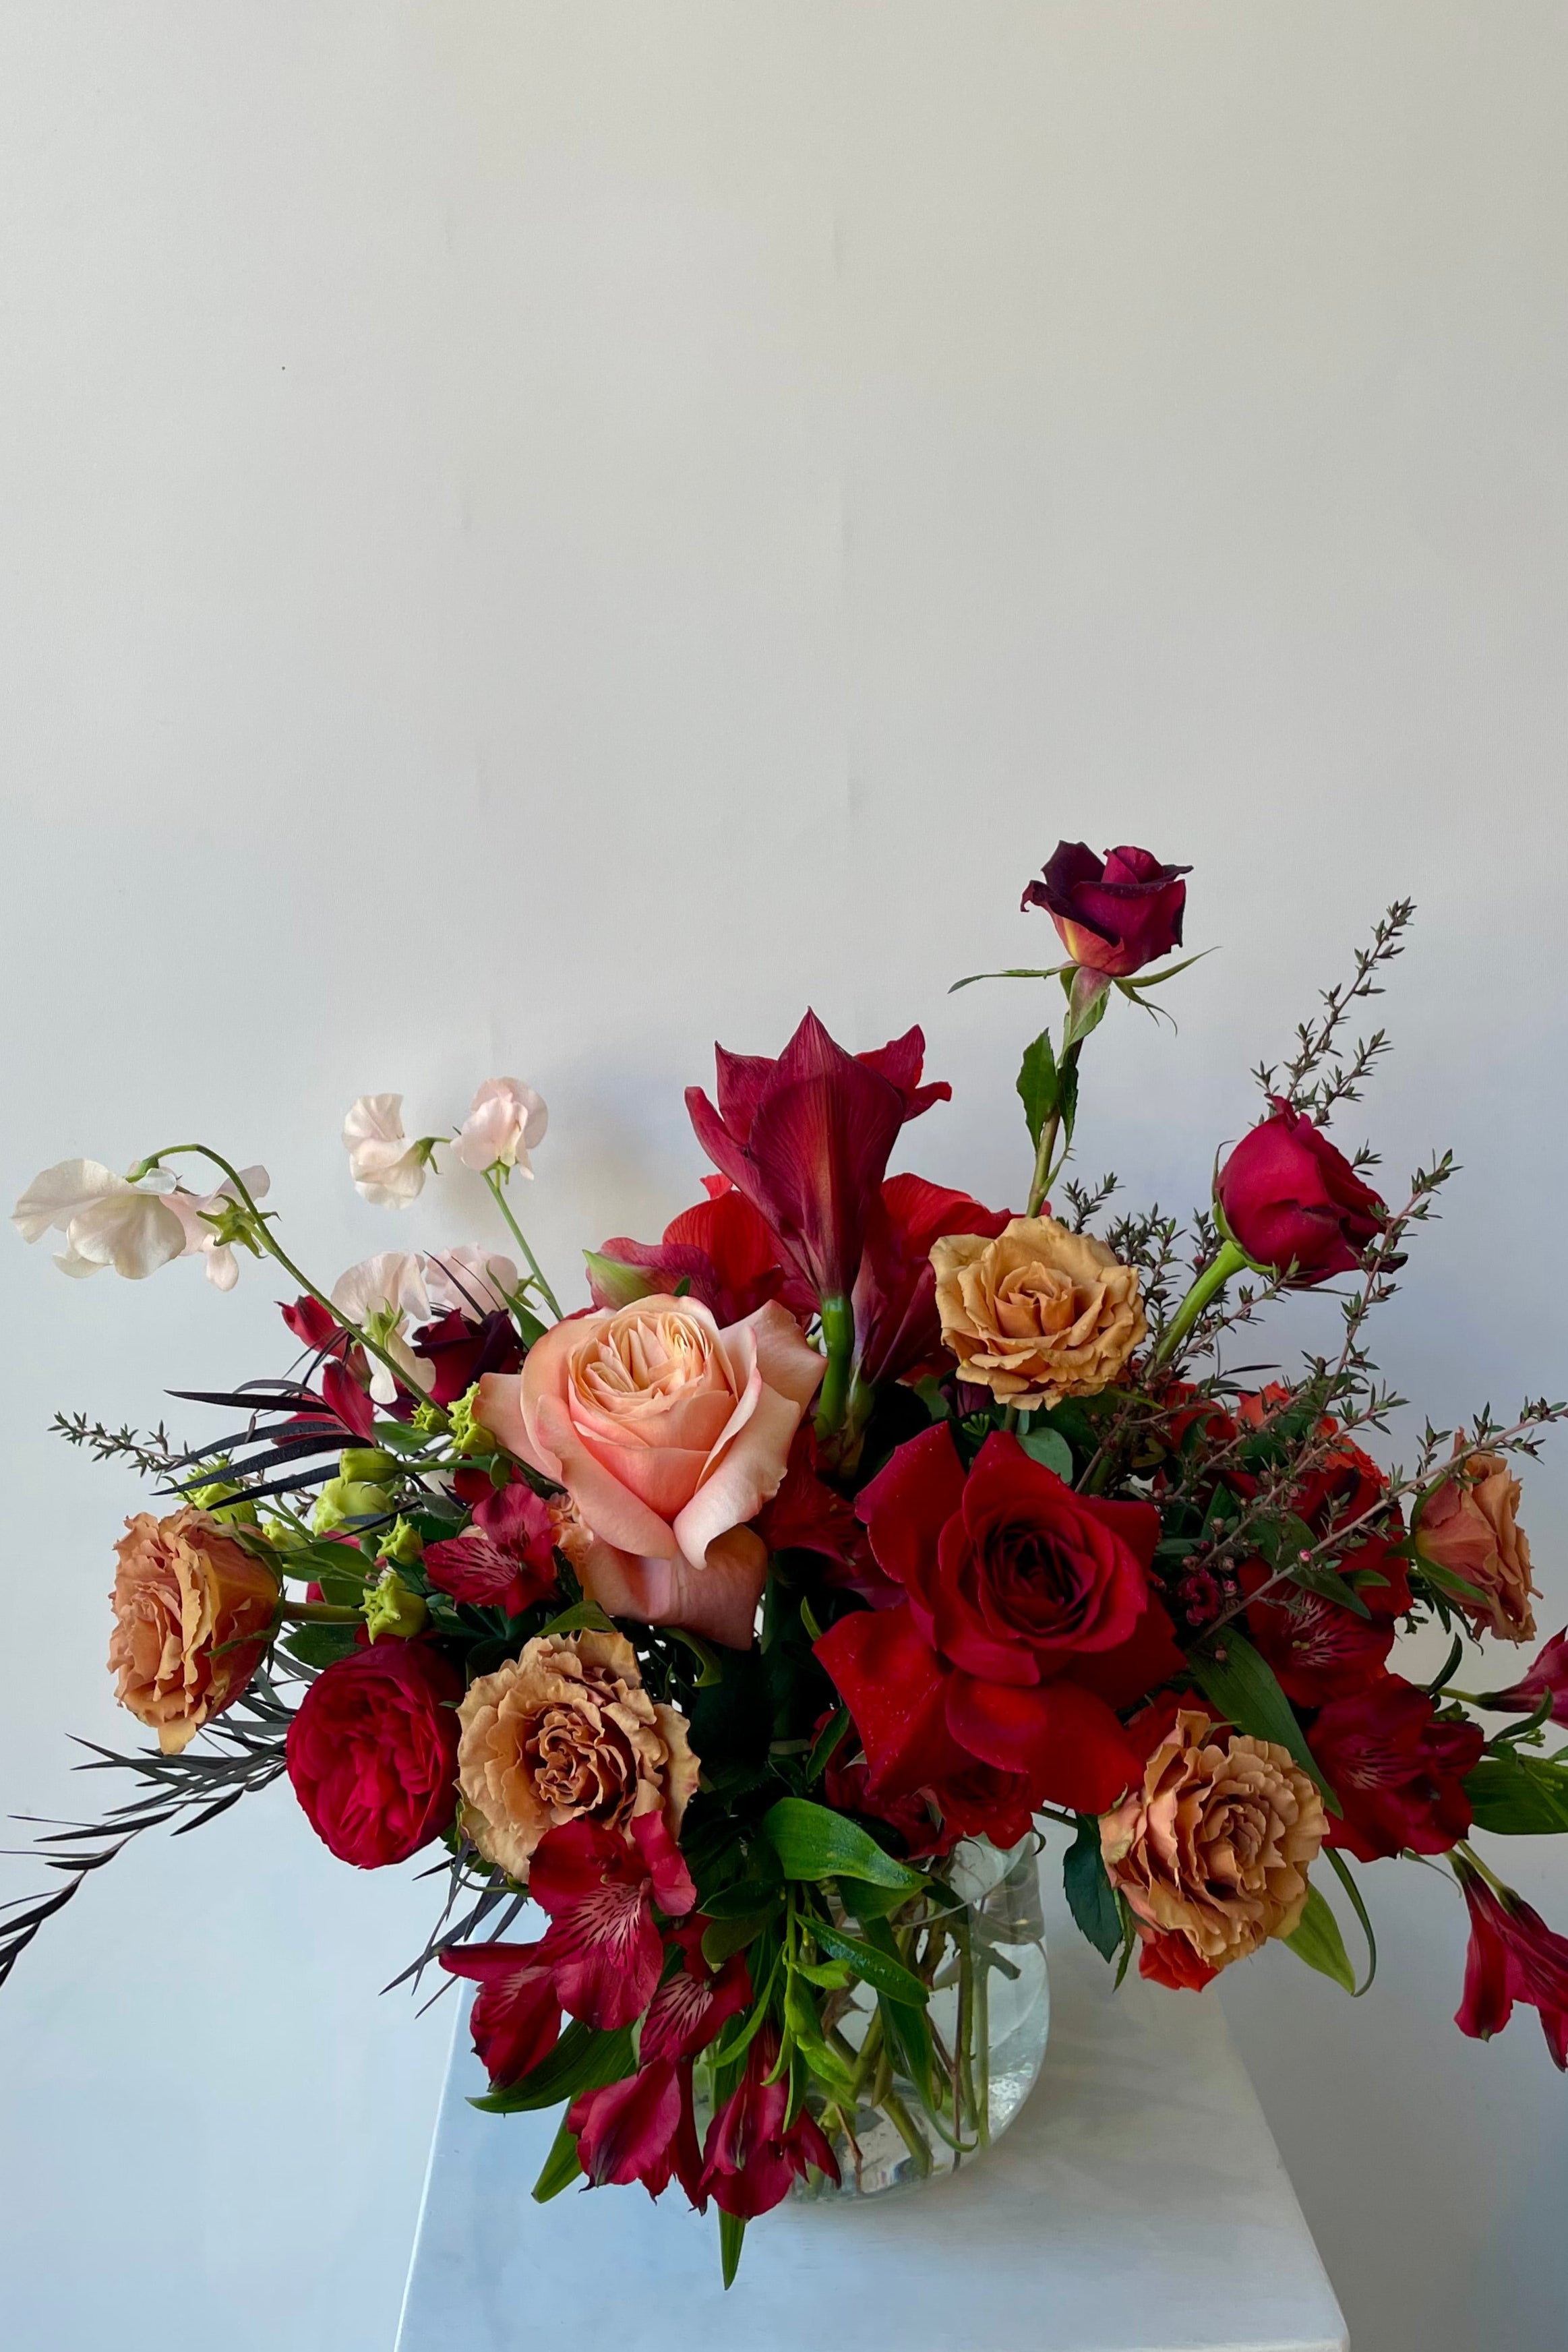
(854, 1534)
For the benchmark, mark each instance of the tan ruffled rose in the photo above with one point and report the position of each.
(1039, 1314)
(1216, 1843)
(563, 1731)
(1471, 1528)
(186, 1596)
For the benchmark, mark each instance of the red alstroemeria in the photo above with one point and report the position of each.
(721, 1250)
(315, 1325)
(692, 2006)
(505, 1559)
(640, 2129)
(898, 1332)
(604, 1947)
(462, 1351)
(1029, 1622)
(516, 2017)
(1318, 1649)
(754, 2155)
(807, 1138)
(1514, 1955)
(1397, 1772)
(1547, 1677)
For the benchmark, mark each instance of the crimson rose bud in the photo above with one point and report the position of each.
(373, 1752)
(1289, 1199)
(1114, 916)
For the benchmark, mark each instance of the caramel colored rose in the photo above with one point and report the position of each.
(1216, 1845)
(1471, 1528)
(185, 1598)
(1039, 1314)
(564, 1731)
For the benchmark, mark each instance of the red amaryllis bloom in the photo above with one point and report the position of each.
(516, 2017)
(806, 1140)
(373, 1752)
(1548, 1675)
(1397, 1772)
(1292, 1201)
(505, 1559)
(461, 1352)
(753, 2153)
(1318, 1649)
(898, 1331)
(1113, 915)
(604, 1947)
(1514, 1955)
(721, 1250)
(1029, 1621)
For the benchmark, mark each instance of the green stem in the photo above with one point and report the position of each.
(318, 1613)
(499, 1195)
(839, 1336)
(1213, 1280)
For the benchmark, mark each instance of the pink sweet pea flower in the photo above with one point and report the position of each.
(506, 1119)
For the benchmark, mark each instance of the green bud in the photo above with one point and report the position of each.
(391, 1607)
(348, 1498)
(430, 1418)
(367, 1462)
(401, 1543)
(616, 1284)
(469, 1436)
(219, 1495)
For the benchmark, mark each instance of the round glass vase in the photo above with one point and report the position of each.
(926, 2102)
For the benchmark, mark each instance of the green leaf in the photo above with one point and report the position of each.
(812, 1842)
(828, 1976)
(1050, 1449)
(319, 1645)
(1519, 1796)
(1014, 974)
(828, 1739)
(1037, 1084)
(583, 2060)
(1344, 1873)
(874, 1968)
(745, 1899)
(562, 2166)
(1089, 993)
(863, 1902)
(712, 1667)
(826, 2065)
(731, 2232)
(727, 1936)
(1446, 1582)
(1243, 1686)
(583, 1616)
(1319, 1942)
(1090, 1899)
(1152, 978)
(616, 1282)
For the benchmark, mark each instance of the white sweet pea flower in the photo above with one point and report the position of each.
(475, 1282)
(505, 1120)
(194, 1210)
(106, 1220)
(386, 1167)
(384, 1296)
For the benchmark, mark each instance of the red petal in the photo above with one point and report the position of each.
(573, 1862)
(892, 1683)
(1067, 1741)
(672, 1888)
(906, 1506)
(516, 2018)
(626, 2131)
(1148, 1657)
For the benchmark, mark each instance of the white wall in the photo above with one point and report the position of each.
(537, 534)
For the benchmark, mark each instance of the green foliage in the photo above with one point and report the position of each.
(1319, 1942)
(1038, 1084)
(731, 2232)
(812, 1842)
(1089, 1895)
(1519, 1796)
(878, 1968)
(1050, 1449)
(562, 2166)
(583, 2060)
(1242, 1685)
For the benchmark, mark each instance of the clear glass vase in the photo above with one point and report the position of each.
(921, 2110)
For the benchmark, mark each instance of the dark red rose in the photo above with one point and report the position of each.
(505, 1559)
(977, 1802)
(721, 1250)
(1548, 1675)
(1029, 1621)
(806, 1140)
(1514, 1955)
(1291, 1200)
(1114, 916)
(1397, 1772)
(898, 1331)
(461, 1351)
(1318, 1649)
(373, 1752)
(516, 2017)
(754, 2154)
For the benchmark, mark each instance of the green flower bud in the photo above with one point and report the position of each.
(367, 1462)
(348, 1498)
(390, 1608)
(218, 1500)
(469, 1436)
(401, 1543)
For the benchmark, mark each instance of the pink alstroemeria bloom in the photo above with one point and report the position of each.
(516, 2017)
(604, 1947)
(1514, 1955)
(806, 1138)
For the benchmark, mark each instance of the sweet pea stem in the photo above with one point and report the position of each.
(1213, 1280)
(499, 1194)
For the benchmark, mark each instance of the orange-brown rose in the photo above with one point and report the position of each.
(1471, 1528)
(1216, 1845)
(186, 1598)
(563, 1732)
(1039, 1314)
(668, 1434)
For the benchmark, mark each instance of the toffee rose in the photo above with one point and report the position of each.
(186, 1600)
(1037, 1314)
(1470, 1527)
(670, 1434)
(373, 1752)
(563, 1733)
(1216, 1844)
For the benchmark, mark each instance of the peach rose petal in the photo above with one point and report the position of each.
(718, 1601)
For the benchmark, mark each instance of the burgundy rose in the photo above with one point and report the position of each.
(754, 2154)
(1293, 1202)
(516, 2017)
(373, 1752)
(1113, 915)
(1397, 1772)
(806, 1140)
(898, 1331)
(461, 1352)
(1029, 1621)
(1514, 1955)
(721, 1250)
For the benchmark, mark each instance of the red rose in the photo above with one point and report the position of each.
(1029, 1621)
(1290, 1199)
(1114, 916)
(373, 1752)
(1397, 1772)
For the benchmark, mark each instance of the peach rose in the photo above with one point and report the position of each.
(1039, 1314)
(668, 1435)
(567, 1730)
(1216, 1844)
(186, 1596)
(1470, 1527)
